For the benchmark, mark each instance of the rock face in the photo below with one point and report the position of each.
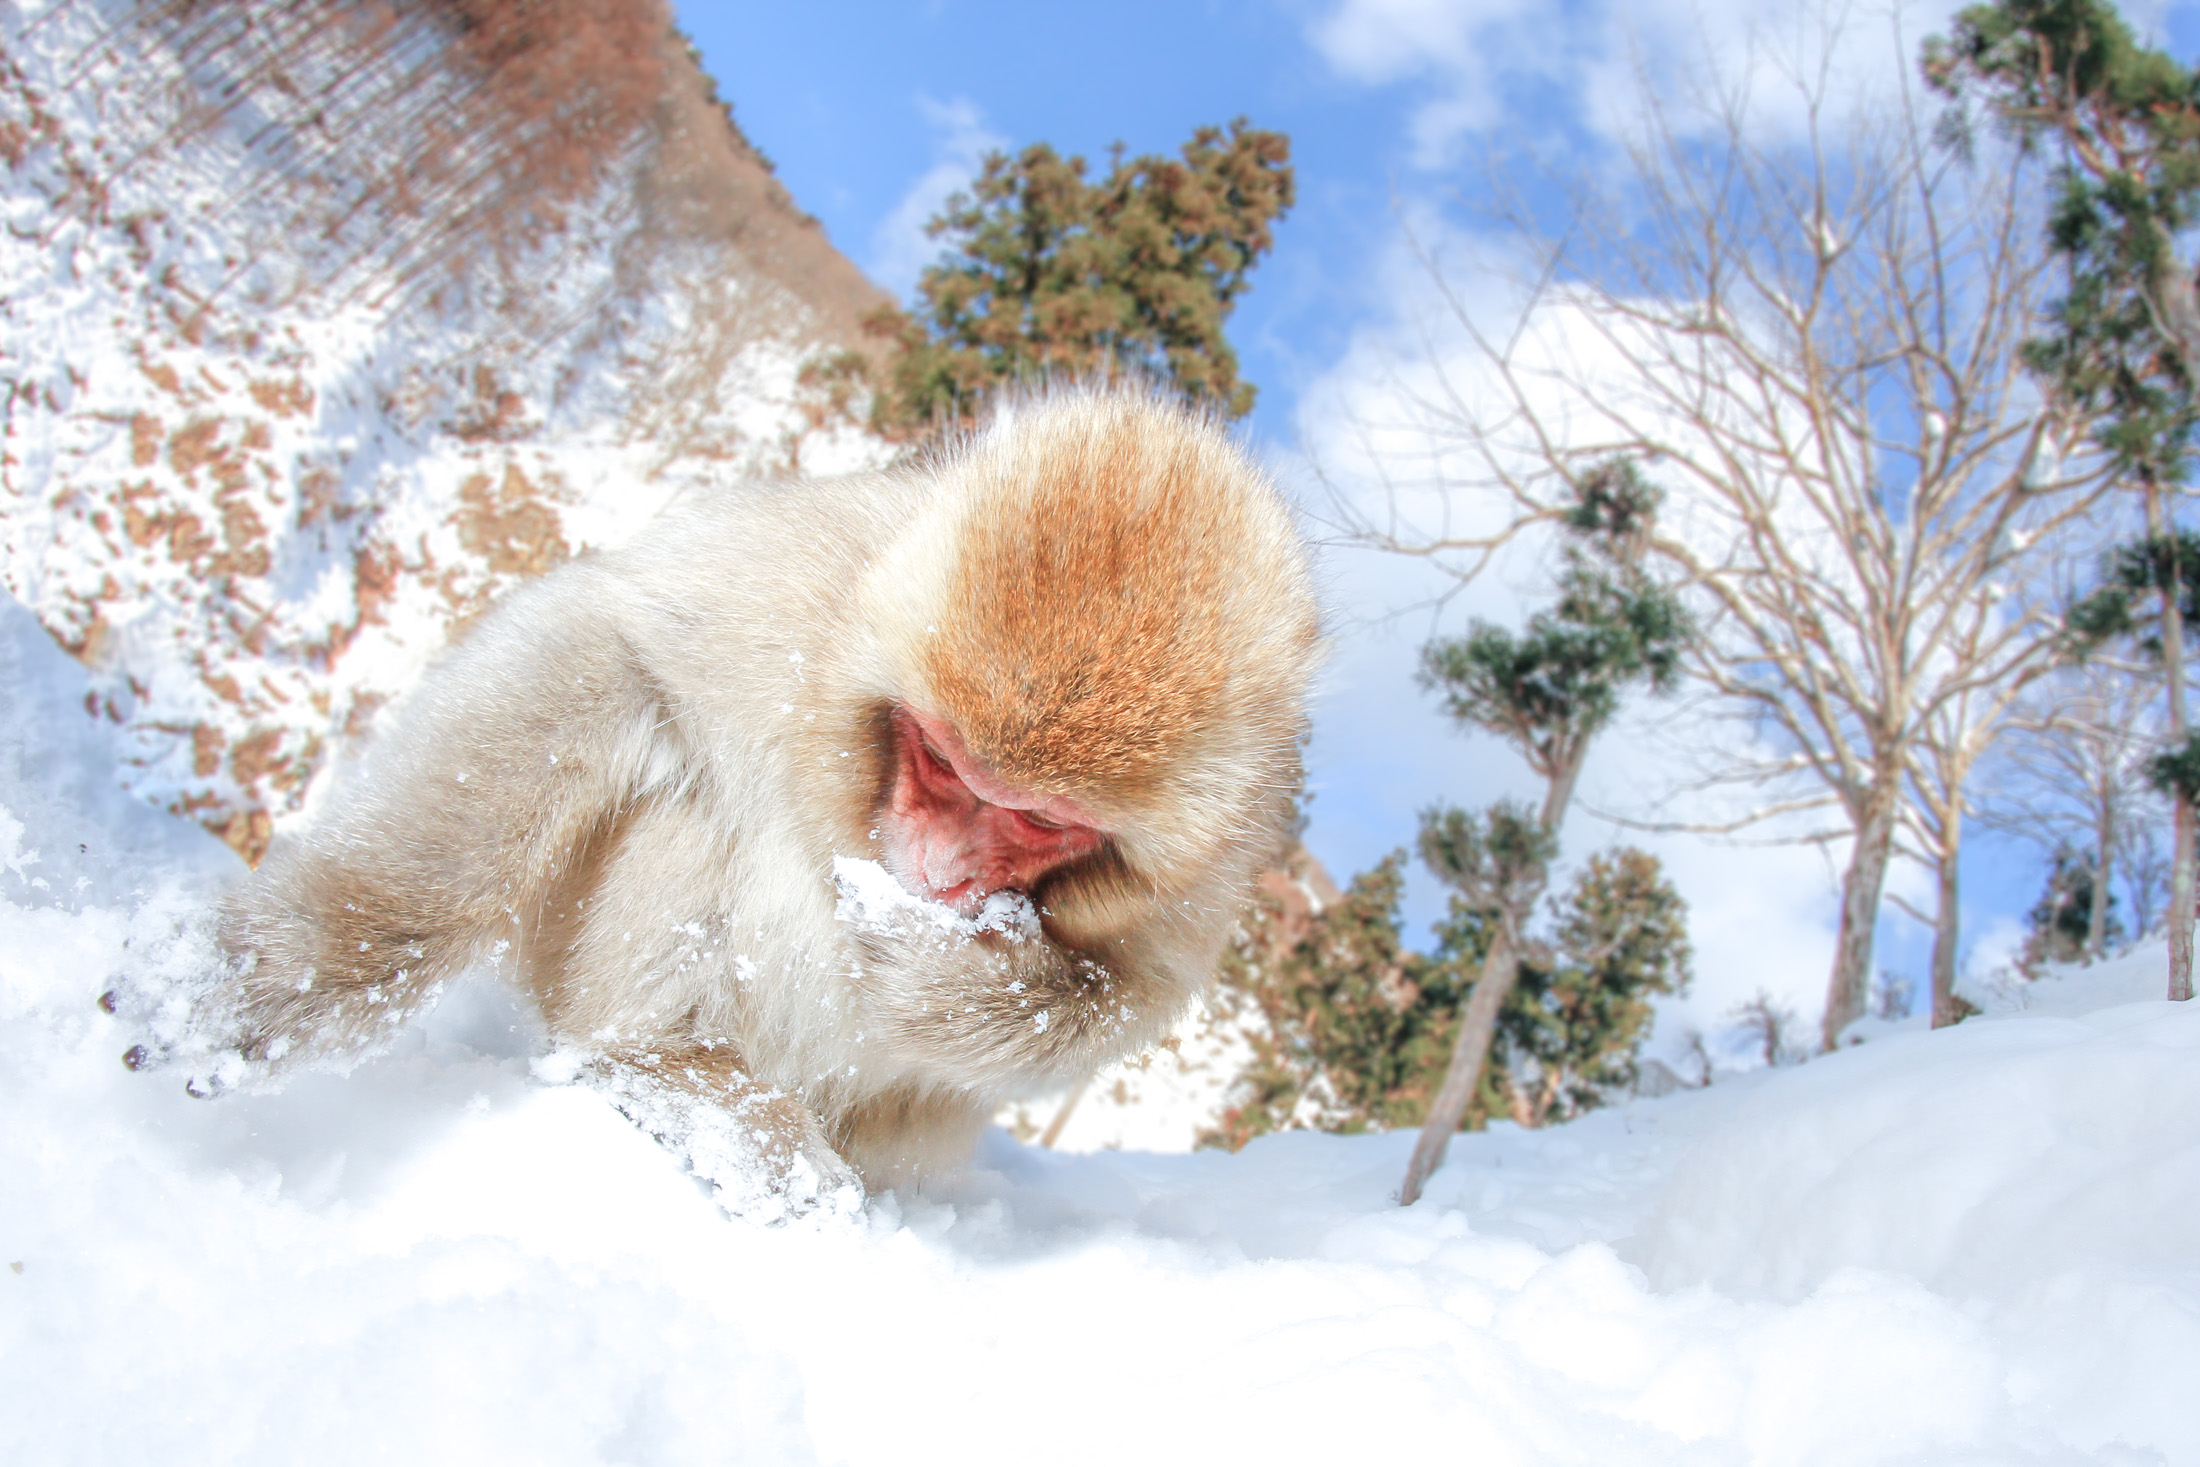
(321, 323)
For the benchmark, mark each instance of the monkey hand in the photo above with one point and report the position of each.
(182, 1011)
(762, 1151)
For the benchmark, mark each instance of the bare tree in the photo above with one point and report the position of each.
(2147, 875)
(2068, 776)
(1764, 1024)
(1954, 733)
(1813, 347)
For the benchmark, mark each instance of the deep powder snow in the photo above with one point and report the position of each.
(1972, 1246)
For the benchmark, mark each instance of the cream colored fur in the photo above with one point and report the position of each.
(629, 783)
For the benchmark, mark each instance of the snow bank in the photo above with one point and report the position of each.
(1971, 1246)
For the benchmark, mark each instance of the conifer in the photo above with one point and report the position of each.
(2124, 341)
(1051, 274)
(1547, 690)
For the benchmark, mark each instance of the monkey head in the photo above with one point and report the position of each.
(1092, 646)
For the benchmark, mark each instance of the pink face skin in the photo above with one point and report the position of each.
(956, 832)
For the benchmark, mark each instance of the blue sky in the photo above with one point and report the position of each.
(872, 112)
(857, 102)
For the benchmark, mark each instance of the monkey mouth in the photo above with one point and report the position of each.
(957, 833)
(964, 898)
(961, 873)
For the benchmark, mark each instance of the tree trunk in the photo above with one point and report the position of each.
(1947, 930)
(1053, 1131)
(2180, 905)
(2104, 866)
(1477, 1028)
(1478, 1015)
(1861, 885)
(2173, 671)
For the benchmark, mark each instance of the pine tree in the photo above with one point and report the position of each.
(2126, 337)
(1548, 691)
(1353, 1024)
(1581, 1008)
(2149, 592)
(1051, 274)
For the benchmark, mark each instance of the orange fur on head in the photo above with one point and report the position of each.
(1117, 560)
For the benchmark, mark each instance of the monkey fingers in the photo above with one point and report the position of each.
(185, 1017)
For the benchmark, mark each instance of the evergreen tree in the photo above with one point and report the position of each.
(2062, 919)
(1577, 1017)
(1354, 1025)
(1548, 691)
(1356, 1030)
(1053, 274)
(2150, 591)
(2126, 337)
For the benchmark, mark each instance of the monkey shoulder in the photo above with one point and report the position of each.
(792, 531)
(755, 582)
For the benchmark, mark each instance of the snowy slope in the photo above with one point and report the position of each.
(269, 431)
(1981, 1245)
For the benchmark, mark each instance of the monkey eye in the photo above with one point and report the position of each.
(938, 759)
(1041, 821)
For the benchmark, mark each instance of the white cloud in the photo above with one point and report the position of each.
(1479, 63)
(900, 249)
(1466, 44)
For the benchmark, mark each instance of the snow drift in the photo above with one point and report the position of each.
(1977, 1245)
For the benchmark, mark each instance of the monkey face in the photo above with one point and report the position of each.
(955, 831)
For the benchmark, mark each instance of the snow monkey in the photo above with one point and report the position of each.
(847, 809)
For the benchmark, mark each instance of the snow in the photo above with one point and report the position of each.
(1969, 1246)
(2132, 977)
(872, 899)
(1976, 1245)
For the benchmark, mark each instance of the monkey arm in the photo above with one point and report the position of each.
(1002, 1011)
(448, 840)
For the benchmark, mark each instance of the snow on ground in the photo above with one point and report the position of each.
(1973, 1246)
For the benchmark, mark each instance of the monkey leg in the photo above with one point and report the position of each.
(763, 1151)
(911, 1135)
(440, 847)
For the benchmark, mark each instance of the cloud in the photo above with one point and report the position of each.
(900, 249)
(1480, 65)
